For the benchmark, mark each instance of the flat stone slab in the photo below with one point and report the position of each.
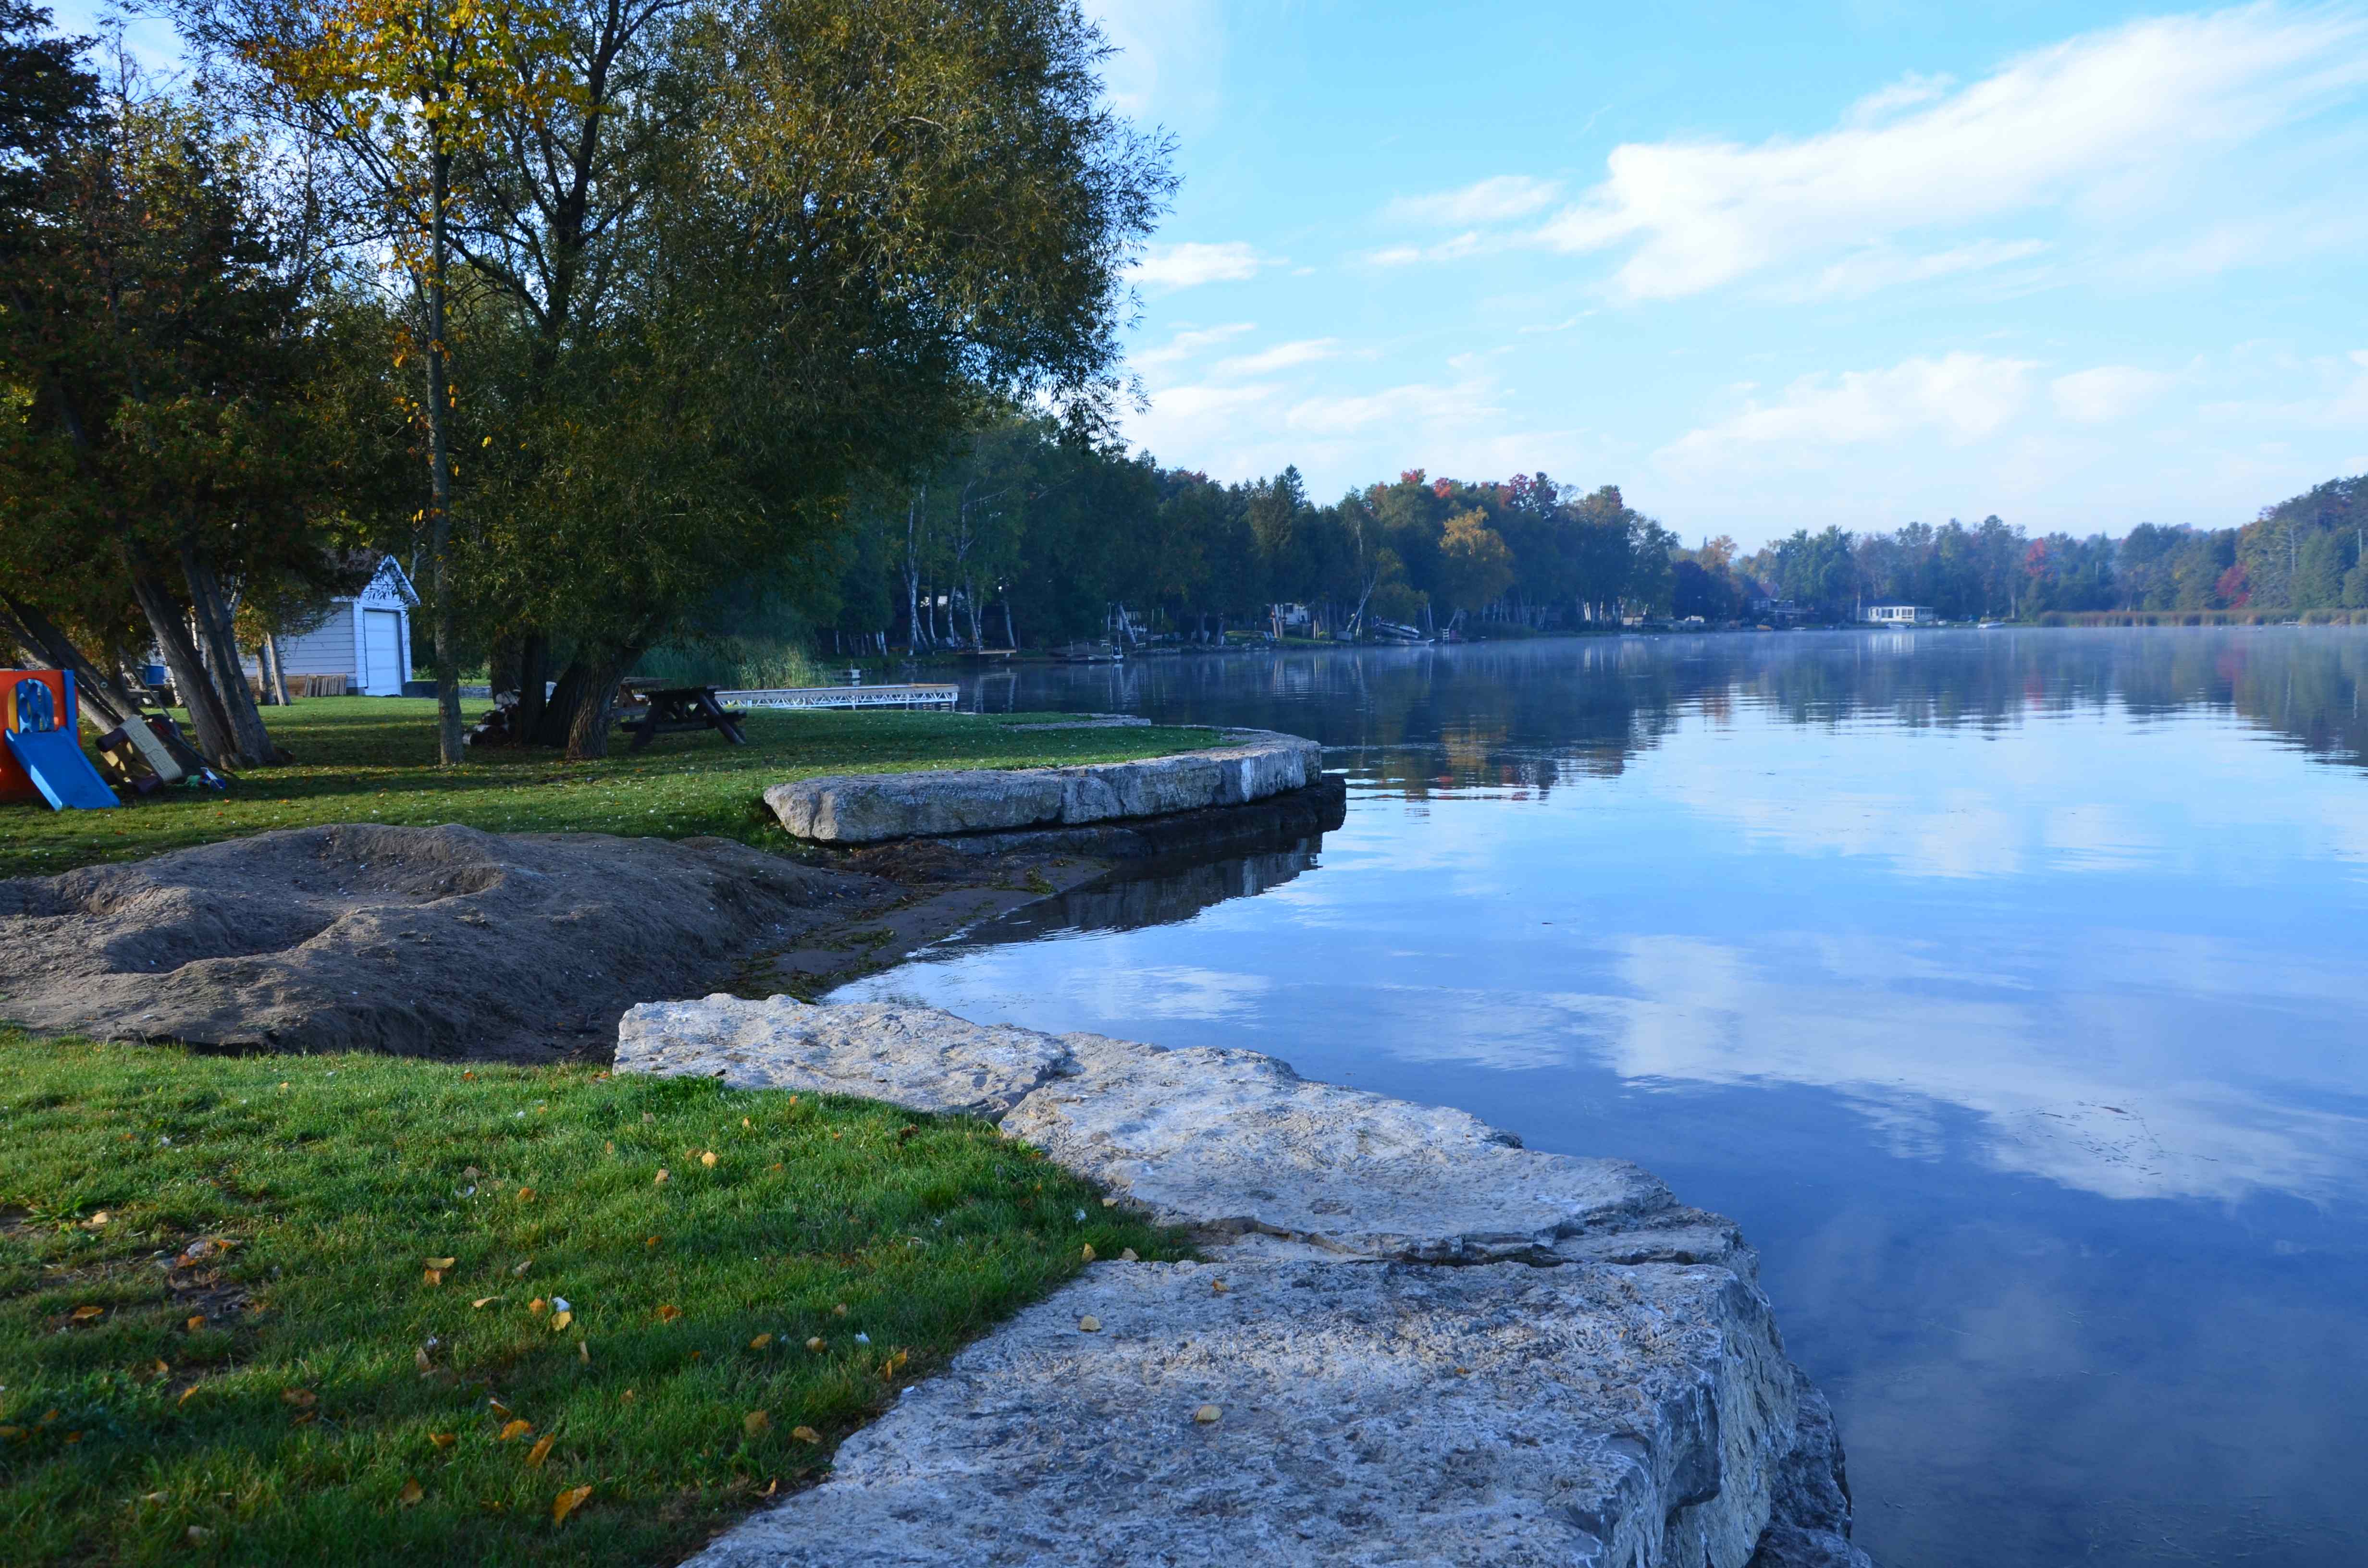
(1234, 1142)
(1389, 1387)
(869, 808)
(1365, 1415)
(916, 1057)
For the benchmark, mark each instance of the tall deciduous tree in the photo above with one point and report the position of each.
(404, 90)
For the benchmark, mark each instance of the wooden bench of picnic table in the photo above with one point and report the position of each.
(673, 710)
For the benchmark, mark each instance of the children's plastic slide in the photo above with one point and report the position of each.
(37, 708)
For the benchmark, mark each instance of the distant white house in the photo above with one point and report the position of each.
(1901, 615)
(367, 639)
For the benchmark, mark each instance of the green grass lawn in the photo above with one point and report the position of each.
(371, 1364)
(373, 759)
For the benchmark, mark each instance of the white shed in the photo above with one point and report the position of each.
(367, 639)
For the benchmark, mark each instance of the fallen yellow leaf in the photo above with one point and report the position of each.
(196, 1321)
(525, 1195)
(756, 1421)
(419, 1360)
(514, 1428)
(743, 1121)
(185, 1393)
(760, 1342)
(1110, 1202)
(443, 1439)
(815, 1343)
(1128, 1256)
(708, 1159)
(567, 1502)
(482, 1302)
(302, 1399)
(83, 1315)
(411, 1493)
(496, 1407)
(537, 1306)
(668, 1312)
(583, 1351)
(441, 1262)
(662, 1175)
(805, 1434)
(1089, 1324)
(560, 1320)
(159, 1368)
(519, 1272)
(840, 1309)
(469, 1173)
(1207, 1413)
(1089, 1252)
(432, 1276)
(1219, 1287)
(542, 1451)
(650, 1241)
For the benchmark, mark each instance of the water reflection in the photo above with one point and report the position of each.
(2005, 985)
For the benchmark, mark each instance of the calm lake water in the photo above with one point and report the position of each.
(2010, 988)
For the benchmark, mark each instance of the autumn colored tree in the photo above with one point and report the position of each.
(401, 91)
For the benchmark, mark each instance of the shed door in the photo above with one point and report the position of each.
(382, 653)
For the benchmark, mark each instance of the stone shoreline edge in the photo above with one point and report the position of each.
(1410, 1339)
(872, 808)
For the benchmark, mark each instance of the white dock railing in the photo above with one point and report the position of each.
(844, 697)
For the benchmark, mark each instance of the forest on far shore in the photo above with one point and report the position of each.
(1024, 539)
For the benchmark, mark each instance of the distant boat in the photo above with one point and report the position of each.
(1990, 625)
(1390, 631)
(1090, 654)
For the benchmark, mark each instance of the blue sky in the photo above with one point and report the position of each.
(1763, 266)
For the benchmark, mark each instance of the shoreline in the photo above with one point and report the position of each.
(1403, 1326)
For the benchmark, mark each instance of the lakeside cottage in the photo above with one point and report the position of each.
(1901, 615)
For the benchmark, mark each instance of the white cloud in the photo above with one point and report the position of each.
(1495, 200)
(1281, 357)
(1192, 262)
(1469, 243)
(2103, 120)
(1416, 404)
(1963, 396)
(2107, 393)
(1881, 266)
(1169, 61)
(1191, 342)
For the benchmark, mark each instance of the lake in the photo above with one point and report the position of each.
(2009, 987)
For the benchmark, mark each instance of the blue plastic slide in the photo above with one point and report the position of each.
(48, 752)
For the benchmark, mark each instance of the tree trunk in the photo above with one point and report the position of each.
(275, 670)
(550, 727)
(449, 749)
(216, 738)
(1010, 637)
(213, 615)
(534, 661)
(595, 701)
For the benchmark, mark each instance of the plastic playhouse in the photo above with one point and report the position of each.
(39, 755)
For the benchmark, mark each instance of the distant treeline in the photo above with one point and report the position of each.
(1024, 539)
(2301, 554)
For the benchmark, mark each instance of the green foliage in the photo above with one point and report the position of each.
(387, 1243)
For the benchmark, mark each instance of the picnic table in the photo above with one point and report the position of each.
(676, 709)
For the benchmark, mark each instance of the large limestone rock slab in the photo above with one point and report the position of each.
(1234, 1142)
(869, 808)
(1368, 1414)
(916, 1057)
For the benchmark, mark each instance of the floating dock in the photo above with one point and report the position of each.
(907, 695)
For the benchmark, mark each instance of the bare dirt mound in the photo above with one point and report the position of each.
(421, 941)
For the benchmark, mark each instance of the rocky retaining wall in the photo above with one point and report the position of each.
(1411, 1340)
(869, 808)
